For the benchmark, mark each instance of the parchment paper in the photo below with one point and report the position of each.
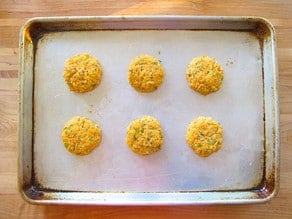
(238, 106)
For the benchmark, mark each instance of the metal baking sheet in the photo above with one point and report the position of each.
(245, 170)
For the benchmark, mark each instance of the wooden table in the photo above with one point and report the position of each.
(14, 13)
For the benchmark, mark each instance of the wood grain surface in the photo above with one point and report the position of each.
(13, 13)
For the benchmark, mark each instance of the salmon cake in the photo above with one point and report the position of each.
(204, 75)
(81, 136)
(144, 135)
(204, 135)
(145, 73)
(82, 73)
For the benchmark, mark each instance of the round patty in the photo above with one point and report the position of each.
(145, 73)
(205, 75)
(82, 73)
(80, 135)
(204, 136)
(144, 135)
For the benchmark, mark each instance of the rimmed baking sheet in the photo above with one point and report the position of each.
(245, 49)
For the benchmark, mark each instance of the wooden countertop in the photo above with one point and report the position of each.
(12, 16)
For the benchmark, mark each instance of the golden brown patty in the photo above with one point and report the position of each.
(205, 75)
(145, 73)
(144, 135)
(80, 135)
(82, 73)
(204, 136)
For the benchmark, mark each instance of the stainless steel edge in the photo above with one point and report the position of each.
(24, 161)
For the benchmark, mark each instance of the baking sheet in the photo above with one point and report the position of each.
(112, 167)
(245, 170)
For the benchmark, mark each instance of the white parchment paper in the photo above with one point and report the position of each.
(238, 106)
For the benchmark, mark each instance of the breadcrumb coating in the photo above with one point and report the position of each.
(144, 135)
(81, 136)
(145, 73)
(205, 75)
(82, 73)
(204, 136)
